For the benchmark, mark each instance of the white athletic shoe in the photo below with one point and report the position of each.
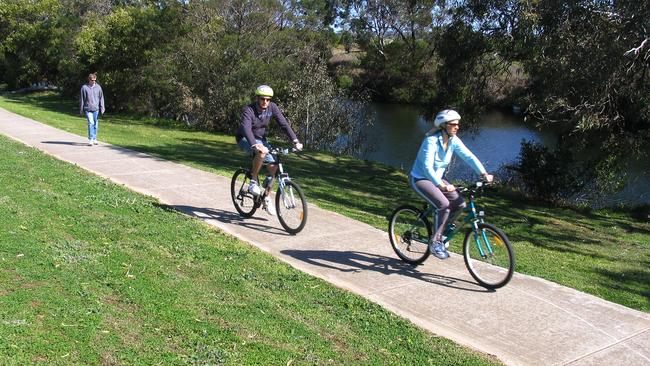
(254, 188)
(268, 206)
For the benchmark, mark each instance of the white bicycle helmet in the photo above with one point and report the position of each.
(264, 91)
(446, 116)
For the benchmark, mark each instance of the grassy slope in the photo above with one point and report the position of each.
(91, 273)
(603, 252)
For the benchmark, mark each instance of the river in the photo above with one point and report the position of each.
(398, 131)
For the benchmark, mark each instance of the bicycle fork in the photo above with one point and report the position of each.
(480, 237)
(482, 242)
(286, 193)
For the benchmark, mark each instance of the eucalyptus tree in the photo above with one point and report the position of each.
(30, 39)
(587, 63)
(232, 46)
(590, 80)
(398, 40)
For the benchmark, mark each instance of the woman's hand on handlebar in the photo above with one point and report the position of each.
(448, 188)
(488, 178)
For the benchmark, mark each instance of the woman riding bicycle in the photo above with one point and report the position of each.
(251, 137)
(426, 175)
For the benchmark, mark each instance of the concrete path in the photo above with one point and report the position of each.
(529, 322)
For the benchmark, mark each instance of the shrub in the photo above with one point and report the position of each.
(549, 175)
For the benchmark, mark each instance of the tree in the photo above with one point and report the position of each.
(590, 79)
(31, 39)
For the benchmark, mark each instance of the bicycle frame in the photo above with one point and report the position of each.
(473, 217)
(282, 178)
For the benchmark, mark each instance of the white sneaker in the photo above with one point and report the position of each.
(268, 206)
(90, 142)
(95, 142)
(254, 188)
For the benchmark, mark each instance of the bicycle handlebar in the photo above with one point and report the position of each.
(475, 187)
(283, 150)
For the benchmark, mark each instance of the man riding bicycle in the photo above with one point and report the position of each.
(251, 137)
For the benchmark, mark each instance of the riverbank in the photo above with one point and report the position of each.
(602, 252)
(495, 137)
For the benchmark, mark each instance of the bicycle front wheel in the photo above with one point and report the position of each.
(243, 200)
(489, 256)
(291, 206)
(409, 234)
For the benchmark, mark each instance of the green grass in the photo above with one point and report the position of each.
(602, 252)
(92, 273)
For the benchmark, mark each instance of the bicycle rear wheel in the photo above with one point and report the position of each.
(291, 206)
(409, 234)
(489, 256)
(243, 200)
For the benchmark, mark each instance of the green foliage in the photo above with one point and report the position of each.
(464, 68)
(345, 81)
(551, 175)
(31, 39)
(215, 68)
(322, 114)
(107, 45)
(399, 49)
(588, 66)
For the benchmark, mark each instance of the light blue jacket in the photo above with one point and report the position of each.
(432, 159)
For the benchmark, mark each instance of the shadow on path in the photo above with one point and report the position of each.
(65, 143)
(254, 223)
(353, 261)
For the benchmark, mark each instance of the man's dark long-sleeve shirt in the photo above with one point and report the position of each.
(91, 98)
(255, 120)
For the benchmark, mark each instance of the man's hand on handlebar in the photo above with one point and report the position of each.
(261, 148)
(297, 145)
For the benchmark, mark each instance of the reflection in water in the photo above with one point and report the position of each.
(399, 129)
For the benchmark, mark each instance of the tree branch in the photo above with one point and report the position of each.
(637, 50)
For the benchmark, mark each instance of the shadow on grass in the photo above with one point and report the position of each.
(629, 281)
(353, 261)
(47, 100)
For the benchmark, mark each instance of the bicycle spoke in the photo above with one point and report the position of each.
(243, 200)
(409, 235)
(489, 256)
(291, 206)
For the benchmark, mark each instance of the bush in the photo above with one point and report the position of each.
(345, 81)
(549, 175)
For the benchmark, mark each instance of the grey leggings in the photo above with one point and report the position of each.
(448, 204)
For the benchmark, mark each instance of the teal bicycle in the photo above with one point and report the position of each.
(487, 251)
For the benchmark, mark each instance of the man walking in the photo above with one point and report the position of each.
(91, 103)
